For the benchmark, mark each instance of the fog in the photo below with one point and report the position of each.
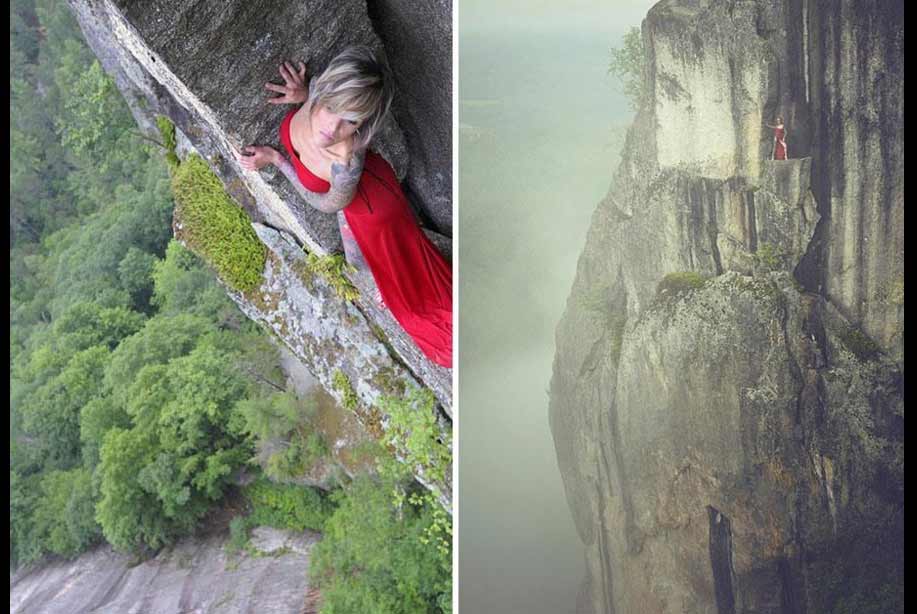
(541, 127)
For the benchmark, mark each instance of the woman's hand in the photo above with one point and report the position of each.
(294, 89)
(253, 157)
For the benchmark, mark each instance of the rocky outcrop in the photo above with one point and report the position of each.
(195, 575)
(729, 431)
(204, 68)
(417, 37)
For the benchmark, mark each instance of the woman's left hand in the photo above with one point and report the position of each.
(254, 157)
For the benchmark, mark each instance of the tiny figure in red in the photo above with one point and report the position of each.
(780, 152)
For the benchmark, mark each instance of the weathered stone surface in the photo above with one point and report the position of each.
(856, 57)
(739, 448)
(196, 575)
(330, 336)
(740, 397)
(418, 41)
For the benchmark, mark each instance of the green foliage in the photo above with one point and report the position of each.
(167, 131)
(415, 435)
(135, 272)
(284, 417)
(598, 302)
(115, 412)
(86, 324)
(373, 556)
(627, 64)
(97, 417)
(183, 445)
(770, 257)
(287, 506)
(214, 227)
(63, 515)
(130, 515)
(24, 548)
(51, 413)
(182, 285)
(239, 528)
(91, 101)
(331, 268)
(677, 285)
(340, 383)
(161, 340)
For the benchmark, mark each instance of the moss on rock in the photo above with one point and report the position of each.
(331, 268)
(681, 283)
(167, 131)
(342, 385)
(215, 228)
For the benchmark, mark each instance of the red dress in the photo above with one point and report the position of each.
(413, 278)
(779, 144)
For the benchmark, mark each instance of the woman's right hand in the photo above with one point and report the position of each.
(294, 89)
(255, 157)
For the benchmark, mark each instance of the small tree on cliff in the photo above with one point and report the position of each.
(627, 64)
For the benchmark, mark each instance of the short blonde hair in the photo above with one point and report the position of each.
(356, 86)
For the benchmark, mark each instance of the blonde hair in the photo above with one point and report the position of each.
(356, 86)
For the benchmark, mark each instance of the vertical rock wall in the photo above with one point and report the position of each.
(728, 427)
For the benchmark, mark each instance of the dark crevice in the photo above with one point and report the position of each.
(724, 583)
(713, 231)
(791, 598)
(752, 221)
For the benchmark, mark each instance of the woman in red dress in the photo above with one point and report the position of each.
(330, 165)
(779, 140)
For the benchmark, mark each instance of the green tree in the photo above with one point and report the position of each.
(64, 514)
(130, 515)
(183, 285)
(51, 413)
(373, 556)
(135, 272)
(627, 64)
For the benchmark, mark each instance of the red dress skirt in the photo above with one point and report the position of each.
(414, 279)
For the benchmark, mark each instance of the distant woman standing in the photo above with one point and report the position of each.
(779, 140)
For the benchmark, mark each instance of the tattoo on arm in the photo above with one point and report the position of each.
(344, 181)
(351, 249)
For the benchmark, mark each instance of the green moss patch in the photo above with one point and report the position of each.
(343, 386)
(167, 131)
(770, 257)
(215, 228)
(676, 285)
(331, 268)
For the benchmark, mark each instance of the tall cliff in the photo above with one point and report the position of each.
(203, 66)
(727, 397)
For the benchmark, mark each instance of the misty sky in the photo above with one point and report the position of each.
(543, 125)
(609, 15)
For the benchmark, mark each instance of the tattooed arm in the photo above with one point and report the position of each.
(344, 180)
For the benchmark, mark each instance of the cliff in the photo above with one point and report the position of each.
(727, 396)
(196, 575)
(204, 68)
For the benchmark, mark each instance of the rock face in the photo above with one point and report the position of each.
(204, 67)
(728, 426)
(196, 575)
(417, 37)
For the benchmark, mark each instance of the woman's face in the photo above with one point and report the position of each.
(330, 128)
